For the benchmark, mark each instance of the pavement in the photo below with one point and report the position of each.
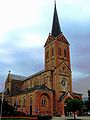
(66, 118)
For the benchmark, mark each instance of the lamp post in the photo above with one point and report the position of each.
(2, 98)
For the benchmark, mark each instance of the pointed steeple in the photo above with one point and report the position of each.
(56, 30)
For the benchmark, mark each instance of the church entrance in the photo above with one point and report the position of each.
(31, 105)
(65, 111)
(65, 108)
(30, 110)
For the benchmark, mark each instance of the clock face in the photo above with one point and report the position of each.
(63, 82)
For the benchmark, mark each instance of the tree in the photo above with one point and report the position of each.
(88, 95)
(88, 101)
(74, 105)
(6, 108)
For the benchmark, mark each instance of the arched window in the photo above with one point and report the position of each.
(52, 51)
(30, 83)
(19, 103)
(17, 88)
(44, 80)
(47, 54)
(65, 53)
(24, 101)
(43, 101)
(59, 51)
(35, 82)
(14, 102)
(31, 101)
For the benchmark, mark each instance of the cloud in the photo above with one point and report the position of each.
(2, 80)
(6, 56)
(77, 10)
(82, 85)
(81, 55)
(24, 61)
(28, 40)
(20, 13)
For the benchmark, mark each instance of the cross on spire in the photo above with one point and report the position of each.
(54, 1)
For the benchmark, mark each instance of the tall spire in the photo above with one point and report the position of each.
(56, 30)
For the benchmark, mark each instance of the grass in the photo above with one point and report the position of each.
(73, 119)
(14, 118)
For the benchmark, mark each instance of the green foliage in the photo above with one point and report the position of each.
(88, 94)
(14, 119)
(87, 103)
(74, 105)
(72, 119)
(6, 108)
(45, 117)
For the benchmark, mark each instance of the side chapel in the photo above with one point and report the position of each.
(45, 92)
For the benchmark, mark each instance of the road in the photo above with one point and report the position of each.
(66, 118)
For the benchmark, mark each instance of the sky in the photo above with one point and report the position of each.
(24, 28)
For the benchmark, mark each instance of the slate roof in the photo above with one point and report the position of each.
(38, 73)
(38, 87)
(76, 93)
(35, 74)
(18, 77)
(62, 96)
(65, 93)
(23, 78)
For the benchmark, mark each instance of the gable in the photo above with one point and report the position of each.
(65, 96)
(60, 38)
(63, 39)
(63, 69)
(49, 40)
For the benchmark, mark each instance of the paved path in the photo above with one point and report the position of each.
(65, 118)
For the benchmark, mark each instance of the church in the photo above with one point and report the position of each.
(45, 92)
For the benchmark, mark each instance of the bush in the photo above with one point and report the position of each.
(18, 113)
(44, 117)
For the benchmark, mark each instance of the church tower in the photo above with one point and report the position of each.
(57, 56)
(56, 46)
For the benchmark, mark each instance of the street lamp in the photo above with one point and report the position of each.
(2, 98)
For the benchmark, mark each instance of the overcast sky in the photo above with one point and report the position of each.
(24, 28)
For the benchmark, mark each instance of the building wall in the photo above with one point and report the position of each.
(40, 79)
(22, 102)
